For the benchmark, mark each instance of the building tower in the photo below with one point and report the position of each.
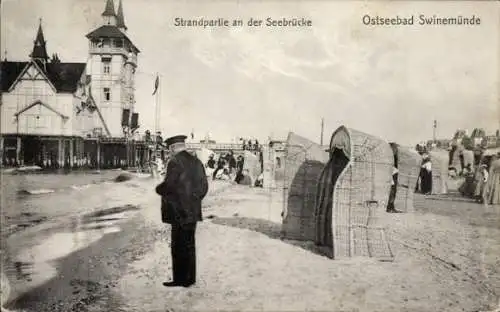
(39, 53)
(112, 64)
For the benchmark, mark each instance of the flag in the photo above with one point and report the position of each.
(157, 83)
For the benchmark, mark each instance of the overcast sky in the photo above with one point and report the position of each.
(253, 82)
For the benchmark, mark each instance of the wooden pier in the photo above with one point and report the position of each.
(72, 152)
(93, 153)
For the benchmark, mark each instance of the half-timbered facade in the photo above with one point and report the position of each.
(55, 114)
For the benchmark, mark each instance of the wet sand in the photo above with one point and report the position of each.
(447, 259)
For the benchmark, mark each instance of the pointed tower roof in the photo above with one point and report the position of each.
(109, 10)
(39, 46)
(120, 18)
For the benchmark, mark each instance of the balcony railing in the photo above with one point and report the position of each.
(110, 50)
(132, 58)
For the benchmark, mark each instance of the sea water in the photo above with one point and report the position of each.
(47, 216)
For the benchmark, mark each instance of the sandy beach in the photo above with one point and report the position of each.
(446, 260)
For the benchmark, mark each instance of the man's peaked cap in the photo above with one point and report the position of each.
(176, 139)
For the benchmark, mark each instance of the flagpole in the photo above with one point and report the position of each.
(156, 107)
(159, 102)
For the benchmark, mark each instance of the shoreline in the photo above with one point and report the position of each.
(86, 275)
(25, 220)
(63, 228)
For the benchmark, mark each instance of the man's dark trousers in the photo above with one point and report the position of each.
(184, 253)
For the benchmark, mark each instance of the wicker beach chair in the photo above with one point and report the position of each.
(302, 167)
(409, 169)
(335, 199)
(269, 164)
(348, 219)
(439, 172)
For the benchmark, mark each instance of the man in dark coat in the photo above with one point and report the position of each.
(182, 191)
(211, 162)
(239, 169)
(231, 161)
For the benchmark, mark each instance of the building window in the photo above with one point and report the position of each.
(107, 94)
(131, 98)
(106, 67)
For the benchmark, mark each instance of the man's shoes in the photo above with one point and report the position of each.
(393, 210)
(172, 284)
(177, 284)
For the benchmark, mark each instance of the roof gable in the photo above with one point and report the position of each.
(38, 102)
(64, 77)
(32, 71)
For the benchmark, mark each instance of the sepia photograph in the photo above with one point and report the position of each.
(260, 155)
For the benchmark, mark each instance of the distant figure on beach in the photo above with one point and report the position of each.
(492, 191)
(182, 192)
(482, 179)
(469, 185)
(231, 161)
(221, 163)
(211, 162)
(259, 181)
(394, 183)
(457, 147)
(425, 176)
(239, 169)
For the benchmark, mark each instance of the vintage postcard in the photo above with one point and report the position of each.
(226, 155)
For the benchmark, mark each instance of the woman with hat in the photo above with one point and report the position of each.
(426, 174)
